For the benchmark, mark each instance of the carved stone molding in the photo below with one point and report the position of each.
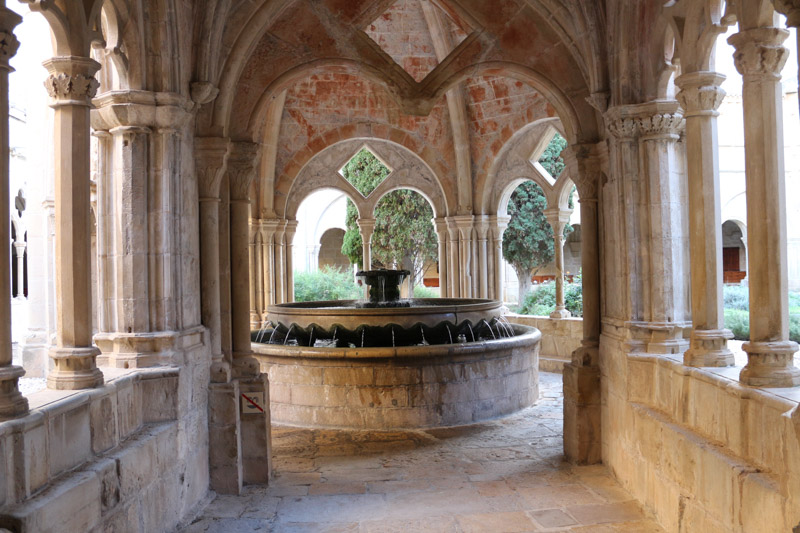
(210, 160)
(242, 164)
(587, 163)
(759, 52)
(652, 120)
(790, 8)
(160, 111)
(71, 80)
(8, 41)
(700, 92)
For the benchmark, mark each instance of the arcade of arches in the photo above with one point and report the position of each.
(212, 120)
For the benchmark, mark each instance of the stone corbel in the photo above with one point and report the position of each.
(142, 109)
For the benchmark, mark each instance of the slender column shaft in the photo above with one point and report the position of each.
(441, 233)
(71, 86)
(241, 173)
(211, 154)
(253, 269)
(453, 261)
(19, 249)
(760, 57)
(12, 403)
(558, 220)
(700, 96)
(498, 225)
(590, 270)
(280, 264)
(483, 260)
(366, 227)
(291, 228)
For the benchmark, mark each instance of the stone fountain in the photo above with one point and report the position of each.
(385, 362)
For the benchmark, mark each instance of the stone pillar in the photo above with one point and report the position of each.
(71, 86)
(650, 190)
(700, 95)
(465, 224)
(760, 57)
(291, 229)
(12, 403)
(453, 262)
(441, 234)
(280, 264)
(497, 225)
(211, 156)
(482, 229)
(366, 226)
(268, 229)
(242, 162)
(582, 428)
(558, 219)
(19, 251)
(256, 280)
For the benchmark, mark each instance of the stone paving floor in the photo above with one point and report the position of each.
(506, 475)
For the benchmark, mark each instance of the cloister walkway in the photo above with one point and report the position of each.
(501, 476)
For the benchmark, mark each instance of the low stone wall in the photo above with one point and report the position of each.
(410, 387)
(129, 456)
(698, 449)
(560, 337)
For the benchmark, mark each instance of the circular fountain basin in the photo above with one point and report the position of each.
(402, 387)
(344, 313)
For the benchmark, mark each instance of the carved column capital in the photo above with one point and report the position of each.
(759, 52)
(145, 110)
(660, 119)
(242, 165)
(366, 227)
(700, 93)
(586, 164)
(8, 41)
(790, 8)
(498, 225)
(289, 231)
(210, 160)
(558, 219)
(71, 80)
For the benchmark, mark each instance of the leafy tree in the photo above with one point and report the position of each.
(404, 236)
(528, 240)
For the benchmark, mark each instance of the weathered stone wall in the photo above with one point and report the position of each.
(560, 337)
(698, 449)
(129, 456)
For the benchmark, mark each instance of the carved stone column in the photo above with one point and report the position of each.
(441, 234)
(12, 403)
(268, 229)
(281, 292)
(211, 156)
(291, 229)
(256, 271)
(700, 95)
(453, 260)
(19, 252)
(242, 162)
(465, 225)
(71, 86)
(760, 57)
(482, 230)
(497, 226)
(366, 226)
(558, 220)
(582, 429)
(646, 156)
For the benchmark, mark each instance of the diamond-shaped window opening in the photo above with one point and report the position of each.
(365, 171)
(546, 157)
(416, 34)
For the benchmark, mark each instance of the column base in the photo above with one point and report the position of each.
(74, 368)
(12, 402)
(582, 444)
(770, 364)
(709, 348)
(220, 370)
(245, 365)
(255, 321)
(560, 313)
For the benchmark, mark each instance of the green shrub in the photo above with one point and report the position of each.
(738, 322)
(421, 291)
(328, 283)
(794, 303)
(541, 300)
(736, 297)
